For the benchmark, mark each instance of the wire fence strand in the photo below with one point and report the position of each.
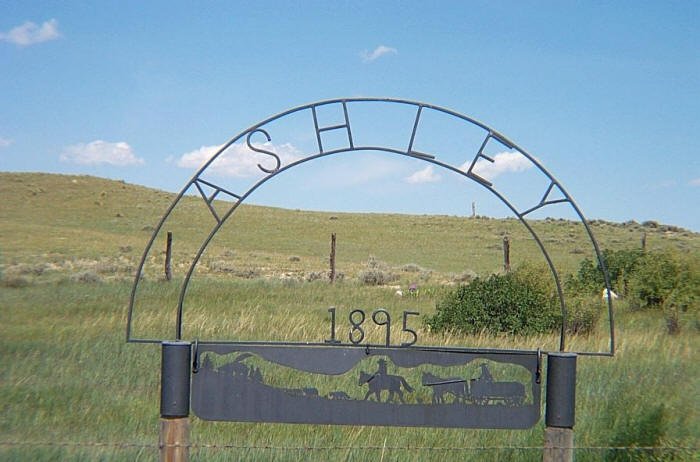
(196, 446)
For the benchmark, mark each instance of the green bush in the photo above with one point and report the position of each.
(537, 276)
(583, 314)
(516, 303)
(665, 281)
(683, 301)
(653, 281)
(650, 280)
(670, 283)
(621, 265)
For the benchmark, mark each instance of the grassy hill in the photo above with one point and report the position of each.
(73, 389)
(85, 223)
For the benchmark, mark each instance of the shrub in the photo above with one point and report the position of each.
(221, 266)
(247, 273)
(537, 276)
(412, 268)
(673, 325)
(316, 276)
(654, 279)
(88, 277)
(583, 314)
(650, 280)
(620, 264)
(377, 277)
(14, 282)
(425, 276)
(106, 268)
(684, 299)
(465, 276)
(511, 303)
(377, 273)
(29, 269)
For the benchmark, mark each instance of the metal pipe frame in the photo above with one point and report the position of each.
(409, 152)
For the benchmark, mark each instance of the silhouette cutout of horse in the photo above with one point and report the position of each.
(455, 386)
(379, 382)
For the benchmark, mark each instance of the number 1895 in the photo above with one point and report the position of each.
(380, 317)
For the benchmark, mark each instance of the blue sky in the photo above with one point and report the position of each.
(606, 95)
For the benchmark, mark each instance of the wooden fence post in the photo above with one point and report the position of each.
(332, 259)
(506, 254)
(174, 440)
(168, 256)
(644, 241)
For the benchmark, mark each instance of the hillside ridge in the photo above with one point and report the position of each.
(35, 183)
(60, 219)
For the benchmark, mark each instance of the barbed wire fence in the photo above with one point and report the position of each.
(677, 450)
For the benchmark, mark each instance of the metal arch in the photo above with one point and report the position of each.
(491, 134)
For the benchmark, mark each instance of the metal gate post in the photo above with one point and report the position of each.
(175, 401)
(560, 412)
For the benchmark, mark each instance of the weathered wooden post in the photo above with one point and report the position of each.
(506, 254)
(176, 363)
(168, 256)
(332, 259)
(560, 412)
(644, 241)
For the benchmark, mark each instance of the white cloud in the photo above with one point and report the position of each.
(29, 33)
(694, 182)
(239, 160)
(357, 171)
(4, 142)
(426, 175)
(381, 50)
(503, 162)
(101, 152)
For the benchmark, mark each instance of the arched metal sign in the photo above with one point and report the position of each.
(349, 381)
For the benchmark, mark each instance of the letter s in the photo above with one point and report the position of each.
(263, 151)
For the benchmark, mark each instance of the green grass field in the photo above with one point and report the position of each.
(72, 388)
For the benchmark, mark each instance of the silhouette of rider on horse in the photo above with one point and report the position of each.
(382, 380)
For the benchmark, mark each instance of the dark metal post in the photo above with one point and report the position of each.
(560, 412)
(175, 401)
